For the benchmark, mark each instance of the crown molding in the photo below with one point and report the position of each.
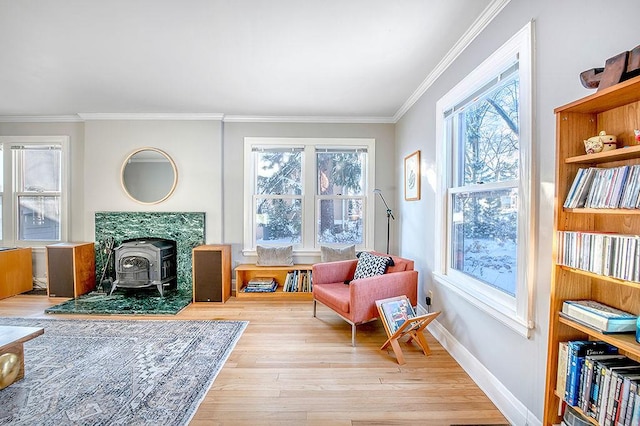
(490, 12)
(149, 116)
(40, 119)
(307, 119)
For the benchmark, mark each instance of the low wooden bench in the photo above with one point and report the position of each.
(12, 342)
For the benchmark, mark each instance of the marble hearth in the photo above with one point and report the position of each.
(187, 229)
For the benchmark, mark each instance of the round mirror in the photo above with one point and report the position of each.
(149, 175)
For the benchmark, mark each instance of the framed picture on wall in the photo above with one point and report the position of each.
(412, 176)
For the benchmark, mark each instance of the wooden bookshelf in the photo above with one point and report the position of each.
(247, 271)
(615, 110)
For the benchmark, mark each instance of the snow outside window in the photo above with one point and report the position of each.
(33, 189)
(308, 192)
(484, 193)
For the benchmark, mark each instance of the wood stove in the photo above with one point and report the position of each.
(146, 262)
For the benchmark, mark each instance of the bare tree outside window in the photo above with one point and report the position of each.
(39, 171)
(484, 204)
(278, 199)
(340, 190)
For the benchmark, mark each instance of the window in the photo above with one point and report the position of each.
(340, 194)
(308, 192)
(33, 190)
(484, 192)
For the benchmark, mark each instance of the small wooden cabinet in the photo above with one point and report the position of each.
(211, 273)
(71, 269)
(245, 272)
(615, 110)
(16, 271)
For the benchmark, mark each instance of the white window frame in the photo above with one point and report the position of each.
(515, 312)
(10, 216)
(310, 198)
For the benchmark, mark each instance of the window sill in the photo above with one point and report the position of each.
(501, 313)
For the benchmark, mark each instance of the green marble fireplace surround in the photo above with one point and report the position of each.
(187, 229)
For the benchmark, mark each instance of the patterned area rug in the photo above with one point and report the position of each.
(129, 372)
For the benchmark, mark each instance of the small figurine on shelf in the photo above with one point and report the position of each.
(636, 134)
(602, 142)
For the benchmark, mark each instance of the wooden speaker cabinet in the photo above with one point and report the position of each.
(16, 271)
(71, 269)
(211, 273)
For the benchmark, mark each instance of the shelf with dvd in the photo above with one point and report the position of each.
(615, 110)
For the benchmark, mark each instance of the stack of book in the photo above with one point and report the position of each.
(605, 188)
(599, 381)
(613, 255)
(261, 285)
(601, 317)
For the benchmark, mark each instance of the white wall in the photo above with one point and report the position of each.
(571, 36)
(75, 131)
(234, 134)
(208, 156)
(194, 145)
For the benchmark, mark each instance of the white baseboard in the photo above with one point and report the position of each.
(514, 410)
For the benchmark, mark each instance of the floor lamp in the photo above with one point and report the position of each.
(389, 214)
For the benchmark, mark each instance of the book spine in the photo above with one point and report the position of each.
(574, 368)
(587, 384)
(604, 393)
(630, 403)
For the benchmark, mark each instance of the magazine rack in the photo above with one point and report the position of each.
(413, 326)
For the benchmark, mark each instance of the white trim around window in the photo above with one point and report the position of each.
(9, 206)
(515, 312)
(308, 247)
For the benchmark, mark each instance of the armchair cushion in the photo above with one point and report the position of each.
(370, 265)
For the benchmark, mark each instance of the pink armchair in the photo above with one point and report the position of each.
(356, 302)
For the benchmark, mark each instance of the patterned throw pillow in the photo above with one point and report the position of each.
(370, 265)
(274, 256)
(331, 254)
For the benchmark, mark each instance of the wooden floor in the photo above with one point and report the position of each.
(289, 368)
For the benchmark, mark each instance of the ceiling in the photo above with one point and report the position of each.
(346, 59)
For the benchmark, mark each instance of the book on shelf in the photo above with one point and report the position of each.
(589, 380)
(600, 316)
(261, 285)
(601, 364)
(622, 394)
(605, 188)
(256, 281)
(578, 350)
(298, 281)
(607, 405)
(561, 376)
(618, 375)
(629, 394)
(579, 190)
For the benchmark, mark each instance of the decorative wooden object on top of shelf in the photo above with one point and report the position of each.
(616, 109)
(245, 272)
(211, 273)
(618, 68)
(71, 269)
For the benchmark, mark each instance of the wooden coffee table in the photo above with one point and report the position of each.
(12, 340)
